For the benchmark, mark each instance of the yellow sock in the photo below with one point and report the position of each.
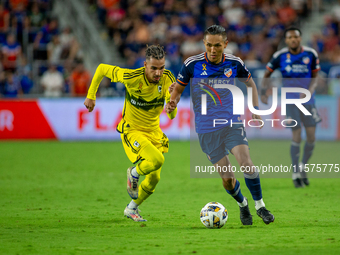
(148, 185)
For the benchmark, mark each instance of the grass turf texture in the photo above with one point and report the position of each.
(69, 197)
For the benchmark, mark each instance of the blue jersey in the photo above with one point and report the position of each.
(296, 69)
(205, 78)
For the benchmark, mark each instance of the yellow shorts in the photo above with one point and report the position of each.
(135, 140)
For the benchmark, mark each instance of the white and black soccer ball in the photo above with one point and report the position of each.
(214, 215)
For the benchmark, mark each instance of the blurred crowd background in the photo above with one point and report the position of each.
(42, 58)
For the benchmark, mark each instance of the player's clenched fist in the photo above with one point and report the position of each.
(170, 107)
(90, 104)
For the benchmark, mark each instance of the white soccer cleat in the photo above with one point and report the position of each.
(132, 184)
(133, 214)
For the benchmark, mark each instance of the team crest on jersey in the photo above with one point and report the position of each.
(160, 88)
(136, 144)
(228, 72)
(306, 60)
(204, 67)
(288, 58)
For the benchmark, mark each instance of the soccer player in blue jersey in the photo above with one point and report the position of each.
(211, 66)
(299, 66)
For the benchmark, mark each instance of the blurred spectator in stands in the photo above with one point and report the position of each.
(274, 30)
(35, 16)
(267, 9)
(12, 85)
(2, 84)
(52, 82)
(158, 29)
(141, 32)
(11, 52)
(287, 15)
(192, 29)
(54, 50)
(45, 6)
(334, 56)
(331, 41)
(251, 60)
(260, 45)
(4, 23)
(69, 44)
(300, 7)
(43, 37)
(330, 24)
(19, 20)
(175, 29)
(15, 3)
(258, 24)
(80, 80)
(317, 43)
(102, 7)
(234, 14)
(115, 14)
(25, 74)
(191, 47)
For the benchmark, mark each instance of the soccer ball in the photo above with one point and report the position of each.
(214, 215)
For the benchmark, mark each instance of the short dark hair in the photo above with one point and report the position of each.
(154, 51)
(292, 29)
(216, 30)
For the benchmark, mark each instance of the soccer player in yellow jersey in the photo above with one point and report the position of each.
(143, 140)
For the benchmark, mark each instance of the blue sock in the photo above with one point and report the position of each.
(236, 192)
(254, 185)
(307, 152)
(295, 154)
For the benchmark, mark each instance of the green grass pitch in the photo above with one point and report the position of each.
(69, 197)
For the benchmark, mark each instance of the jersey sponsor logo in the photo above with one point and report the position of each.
(141, 103)
(296, 68)
(306, 60)
(204, 73)
(228, 72)
(288, 69)
(179, 76)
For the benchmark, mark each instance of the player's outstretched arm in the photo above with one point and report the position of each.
(255, 98)
(265, 86)
(101, 71)
(176, 93)
(171, 114)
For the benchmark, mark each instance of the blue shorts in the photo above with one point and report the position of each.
(308, 120)
(217, 144)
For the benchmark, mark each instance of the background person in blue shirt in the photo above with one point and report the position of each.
(299, 66)
(215, 67)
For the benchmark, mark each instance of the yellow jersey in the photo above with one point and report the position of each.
(144, 101)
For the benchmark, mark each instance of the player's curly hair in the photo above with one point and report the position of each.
(154, 51)
(216, 30)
